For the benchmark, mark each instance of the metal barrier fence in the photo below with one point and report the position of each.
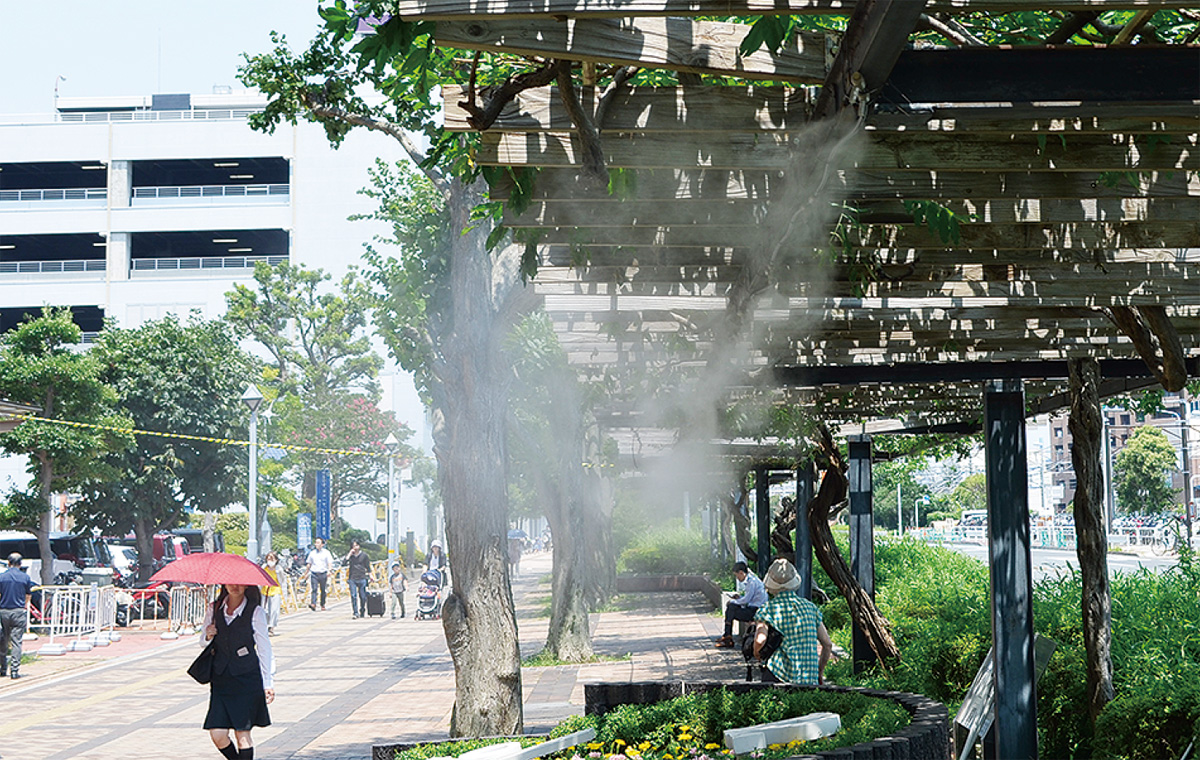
(86, 613)
(188, 606)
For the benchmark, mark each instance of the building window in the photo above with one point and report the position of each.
(1124, 419)
(1058, 432)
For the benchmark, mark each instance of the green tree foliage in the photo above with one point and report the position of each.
(171, 377)
(1142, 472)
(322, 380)
(885, 477)
(40, 365)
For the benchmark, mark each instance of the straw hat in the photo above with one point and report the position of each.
(781, 576)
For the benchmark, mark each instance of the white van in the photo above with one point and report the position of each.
(26, 543)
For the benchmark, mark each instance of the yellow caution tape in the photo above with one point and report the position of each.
(206, 439)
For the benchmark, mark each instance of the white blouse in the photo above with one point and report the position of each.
(262, 644)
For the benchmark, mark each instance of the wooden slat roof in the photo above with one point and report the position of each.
(1067, 205)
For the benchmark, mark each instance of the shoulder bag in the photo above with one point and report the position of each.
(202, 667)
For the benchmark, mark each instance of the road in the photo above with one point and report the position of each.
(1047, 562)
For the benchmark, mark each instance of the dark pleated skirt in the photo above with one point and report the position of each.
(237, 702)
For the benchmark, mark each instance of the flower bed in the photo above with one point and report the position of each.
(686, 721)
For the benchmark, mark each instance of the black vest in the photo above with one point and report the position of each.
(234, 651)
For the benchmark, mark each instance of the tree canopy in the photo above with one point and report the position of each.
(1142, 472)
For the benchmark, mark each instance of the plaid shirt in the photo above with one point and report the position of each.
(797, 659)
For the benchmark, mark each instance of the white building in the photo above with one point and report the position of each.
(133, 208)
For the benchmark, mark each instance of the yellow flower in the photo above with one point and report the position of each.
(594, 745)
(618, 742)
(644, 746)
(774, 747)
(710, 745)
(685, 737)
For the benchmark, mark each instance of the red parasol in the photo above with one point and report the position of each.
(213, 568)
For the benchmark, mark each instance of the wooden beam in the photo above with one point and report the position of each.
(875, 35)
(880, 152)
(679, 184)
(758, 107)
(988, 237)
(726, 212)
(1029, 73)
(1175, 286)
(677, 44)
(649, 109)
(466, 10)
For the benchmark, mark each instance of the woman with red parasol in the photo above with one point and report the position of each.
(243, 664)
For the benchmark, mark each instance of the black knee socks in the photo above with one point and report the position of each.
(230, 751)
(246, 754)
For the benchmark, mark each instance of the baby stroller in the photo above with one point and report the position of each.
(429, 596)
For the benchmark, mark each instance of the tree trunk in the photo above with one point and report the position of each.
(143, 536)
(478, 615)
(782, 543)
(599, 559)
(834, 488)
(569, 638)
(1087, 432)
(45, 522)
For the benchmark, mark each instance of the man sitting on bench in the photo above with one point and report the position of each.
(745, 603)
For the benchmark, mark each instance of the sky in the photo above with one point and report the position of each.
(135, 47)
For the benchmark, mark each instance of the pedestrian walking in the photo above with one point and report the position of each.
(437, 560)
(358, 571)
(243, 670)
(320, 562)
(398, 584)
(272, 595)
(15, 590)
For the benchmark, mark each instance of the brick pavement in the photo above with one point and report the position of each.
(342, 684)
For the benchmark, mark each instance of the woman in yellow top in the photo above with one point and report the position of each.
(272, 595)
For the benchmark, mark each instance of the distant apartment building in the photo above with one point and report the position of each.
(1179, 421)
(133, 208)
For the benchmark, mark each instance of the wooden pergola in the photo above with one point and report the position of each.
(1066, 178)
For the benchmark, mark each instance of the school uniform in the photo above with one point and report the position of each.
(243, 666)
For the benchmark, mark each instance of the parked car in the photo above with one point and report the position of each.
(71, 552)
(167, 547)
(195, 539)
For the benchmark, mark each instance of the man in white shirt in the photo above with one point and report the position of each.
(320, 563)
(751, 594)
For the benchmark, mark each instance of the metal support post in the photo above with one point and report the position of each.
(862, 543)
(1011, 570)
(805, 488)
(762, 503)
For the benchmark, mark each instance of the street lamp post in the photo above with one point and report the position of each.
(392, 445)
(253, 399)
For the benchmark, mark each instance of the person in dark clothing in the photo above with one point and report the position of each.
(15, 590)
(243, 670)
(358, 570)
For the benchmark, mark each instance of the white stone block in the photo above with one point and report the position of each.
(803, 728)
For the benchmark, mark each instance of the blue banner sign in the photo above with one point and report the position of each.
(304, 534)
(324, 491)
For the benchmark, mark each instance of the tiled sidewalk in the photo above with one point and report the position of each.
(342, 684)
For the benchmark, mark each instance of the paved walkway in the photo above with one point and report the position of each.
(342, 684)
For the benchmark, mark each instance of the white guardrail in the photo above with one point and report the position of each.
(1048, 537)
(86, 614)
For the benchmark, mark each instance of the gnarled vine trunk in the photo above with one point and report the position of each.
(1087, 433)
(478, 614)
(833, 490)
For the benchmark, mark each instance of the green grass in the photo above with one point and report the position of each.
(543, 659)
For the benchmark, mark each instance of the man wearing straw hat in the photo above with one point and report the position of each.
(806, 647)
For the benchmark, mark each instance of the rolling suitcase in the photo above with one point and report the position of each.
(375, 603)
